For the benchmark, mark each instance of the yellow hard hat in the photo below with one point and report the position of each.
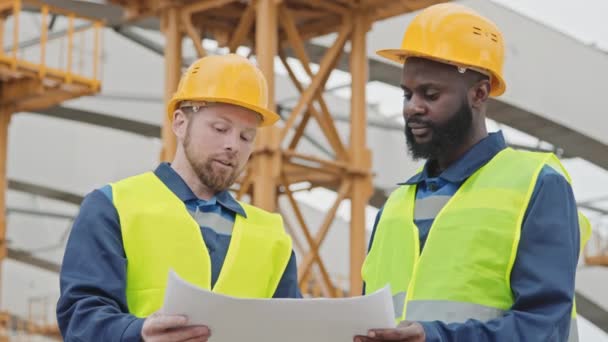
(231, 79)
(454, 34)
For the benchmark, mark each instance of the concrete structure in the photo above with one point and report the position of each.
(552, 103)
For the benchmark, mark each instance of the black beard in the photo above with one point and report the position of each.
(445, 137)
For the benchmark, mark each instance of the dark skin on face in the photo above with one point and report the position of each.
(433, 92)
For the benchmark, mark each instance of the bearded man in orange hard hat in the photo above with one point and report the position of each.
(129, 234)
(483, 242)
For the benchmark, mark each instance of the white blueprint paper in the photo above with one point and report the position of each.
(279, 320)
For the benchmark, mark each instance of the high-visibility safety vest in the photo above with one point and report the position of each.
(465, 267)
(159, 234)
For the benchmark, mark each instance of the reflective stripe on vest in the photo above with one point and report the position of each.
(159, 234)
(573, 337)
(470, 250)
(398, 304)
(455, 312)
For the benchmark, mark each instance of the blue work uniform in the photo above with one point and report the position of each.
(93, 304)
(542, 279)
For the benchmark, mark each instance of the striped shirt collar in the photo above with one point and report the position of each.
(176, 184)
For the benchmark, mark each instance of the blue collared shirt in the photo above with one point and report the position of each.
(543, 275)
(92, 305)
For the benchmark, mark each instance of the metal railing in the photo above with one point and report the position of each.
(12, 55)
(11, 325)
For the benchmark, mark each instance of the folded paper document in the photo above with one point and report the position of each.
(233, 319)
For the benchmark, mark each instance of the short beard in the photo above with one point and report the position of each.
(445, 137)
(213, 180)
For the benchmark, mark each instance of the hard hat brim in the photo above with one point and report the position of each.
(269, 118)
(399, 56)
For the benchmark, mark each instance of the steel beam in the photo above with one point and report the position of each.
(173, 62)
(267, 164)
(360, 155)
(44, 191)
(27, 258)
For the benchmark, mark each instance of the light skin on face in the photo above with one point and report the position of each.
(213, 145)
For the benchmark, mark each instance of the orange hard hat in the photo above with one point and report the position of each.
(231, 79)
(454, 34)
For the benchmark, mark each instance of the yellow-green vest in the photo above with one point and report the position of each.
(465, 267)
(159, 234)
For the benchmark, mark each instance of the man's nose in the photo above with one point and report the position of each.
(414, 106)
(231, 142)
